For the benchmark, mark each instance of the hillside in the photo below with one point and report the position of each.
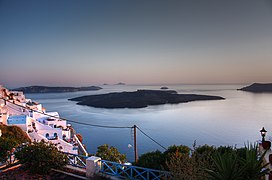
(47, 89)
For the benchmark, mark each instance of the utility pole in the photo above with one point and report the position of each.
(135, 144)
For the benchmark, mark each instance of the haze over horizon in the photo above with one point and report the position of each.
(75, 43)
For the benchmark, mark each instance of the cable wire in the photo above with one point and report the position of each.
(151, 138)
(49, 115)
(87, 124)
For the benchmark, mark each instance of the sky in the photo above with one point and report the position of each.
(69, 42)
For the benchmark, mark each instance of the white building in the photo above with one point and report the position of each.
(18, 96)
(31, 117)
(3, 112)
(47, 131)
(22, 121)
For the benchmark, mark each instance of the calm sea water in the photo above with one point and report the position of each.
(233, 121)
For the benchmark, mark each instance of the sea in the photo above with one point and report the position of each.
(234, 121)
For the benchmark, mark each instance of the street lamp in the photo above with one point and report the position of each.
(263, 133)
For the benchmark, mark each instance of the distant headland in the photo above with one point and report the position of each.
(140, 99)
(48, 89)
(164, 87)
(258, 87)
(120, 83)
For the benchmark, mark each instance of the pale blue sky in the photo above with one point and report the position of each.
(94, 42)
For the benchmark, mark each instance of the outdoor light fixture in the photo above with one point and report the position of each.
(263, 133)
(0, 132)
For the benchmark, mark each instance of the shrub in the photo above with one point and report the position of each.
(110, 153)
(6, 147)
(186, 167)
(153, 160)
(157, 160)
(41, 157)
(177, 149)
(238, 164)
(15, 133)
(204, 154)
(11, 137)
(225, 149)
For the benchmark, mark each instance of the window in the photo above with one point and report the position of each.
(47, 135)
(55, 135)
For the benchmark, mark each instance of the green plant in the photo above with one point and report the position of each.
(110, 153)
(238, 164)
(226, 167)
(157, 159)
(225, 149)
(254, 168)
(153, 160)
(15, 133)
(186, 167)
(11, 137)
(204, 153)
(41, 157)
(6, 148)
(174, 149)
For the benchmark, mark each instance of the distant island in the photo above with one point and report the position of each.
(258, 87)
(47, 89)
(139, 99)
(120, 83)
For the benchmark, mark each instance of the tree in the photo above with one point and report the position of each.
(153, 160)
(6, 148)
(186, 167)
(11, 137)
(174, 149)
(41, 157)
(15, 133)
(157, 159)
(110, 153)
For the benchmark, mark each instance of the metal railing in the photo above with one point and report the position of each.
(82, 148)
(76, 160)
(132, 172)
(121, 171)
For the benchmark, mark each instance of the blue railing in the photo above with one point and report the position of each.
(120, 170)
(132, 172)
(76, 160)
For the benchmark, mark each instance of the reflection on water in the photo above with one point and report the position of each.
(233, 121)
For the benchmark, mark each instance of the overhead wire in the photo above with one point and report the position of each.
(49, 115)
(88, 124)
(151, 138)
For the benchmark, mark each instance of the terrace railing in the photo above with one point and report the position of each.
(121, 171)
(77, 160)
(132, 172)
